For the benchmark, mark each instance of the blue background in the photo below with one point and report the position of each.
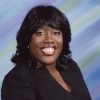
(84, 17)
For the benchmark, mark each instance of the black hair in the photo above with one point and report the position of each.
(37, 17)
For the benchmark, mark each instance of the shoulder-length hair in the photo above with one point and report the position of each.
(37, 17)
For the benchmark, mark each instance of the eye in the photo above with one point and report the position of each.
(39, 33)
(57, 33)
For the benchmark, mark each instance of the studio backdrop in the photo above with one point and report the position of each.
(84, 17)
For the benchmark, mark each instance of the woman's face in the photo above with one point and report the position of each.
(46, 45)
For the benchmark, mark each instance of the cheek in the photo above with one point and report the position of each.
(34, 45)
(60, 41)
(36, 40)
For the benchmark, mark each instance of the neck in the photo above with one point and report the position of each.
(50, 67)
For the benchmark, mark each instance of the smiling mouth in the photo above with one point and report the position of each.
(48, 51)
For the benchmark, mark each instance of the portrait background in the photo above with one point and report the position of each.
(84, 17)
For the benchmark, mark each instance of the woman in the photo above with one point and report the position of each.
(44, 68)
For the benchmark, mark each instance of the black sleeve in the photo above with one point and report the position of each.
(84, 89)
(17, 87)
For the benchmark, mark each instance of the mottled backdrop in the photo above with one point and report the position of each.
(84, 17)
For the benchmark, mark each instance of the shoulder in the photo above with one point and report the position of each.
(74, 66)
(19, 74)
(18, 70)
(18, 84)
(71, 65)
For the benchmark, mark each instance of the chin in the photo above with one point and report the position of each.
(48, 61)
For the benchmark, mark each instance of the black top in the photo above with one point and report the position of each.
(26, 83)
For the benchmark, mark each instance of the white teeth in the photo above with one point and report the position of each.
(48, 51)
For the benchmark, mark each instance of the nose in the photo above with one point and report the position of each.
(49, 38)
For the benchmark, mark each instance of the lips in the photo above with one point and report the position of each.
(48, 50)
